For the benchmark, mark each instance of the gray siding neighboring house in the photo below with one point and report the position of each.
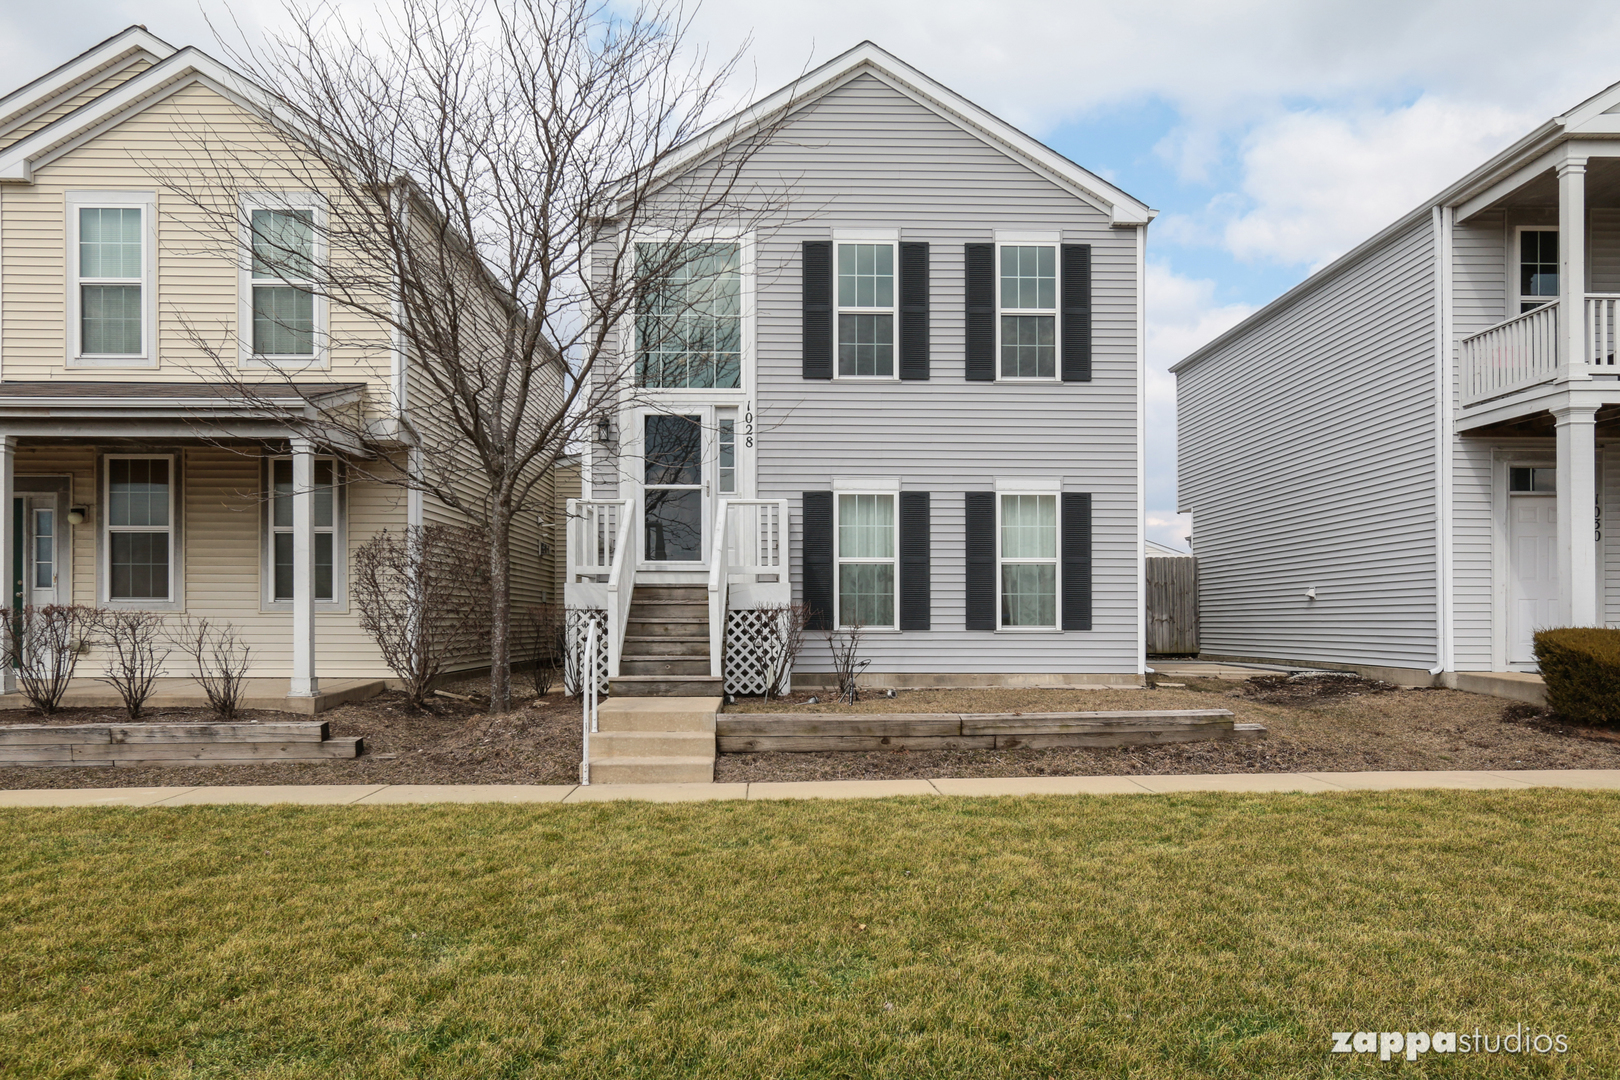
(874, 152)
(1411, 460)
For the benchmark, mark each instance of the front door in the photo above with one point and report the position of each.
(35, 520)
(675, 489)
(1533, 568)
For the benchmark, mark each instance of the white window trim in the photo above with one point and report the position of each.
(726, 395)
(278, 200)
(267, 544)
(1056, 311)
(866, 485)
(105, 529)
(1516, 265)
(146, 202)
(874, 238)
(1057, 561)
(893, 560)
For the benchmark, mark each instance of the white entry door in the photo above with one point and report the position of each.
(1532, 572)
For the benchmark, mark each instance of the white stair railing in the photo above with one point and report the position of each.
(1602, 331)
(621, 585)
(600, 564)
(588, 692)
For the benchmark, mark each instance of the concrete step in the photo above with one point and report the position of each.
(647, 645)
(691, 594)
(651, 744)
(654, 770)
(664, 665)
(657, 714)
(658, 627)
(702, 686)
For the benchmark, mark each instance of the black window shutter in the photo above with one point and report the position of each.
(1076, 526)
(816, 332)
(1076, 312)
(818, 558)
(914, 312)
(981, 311)
(981, 560)
(915, 547)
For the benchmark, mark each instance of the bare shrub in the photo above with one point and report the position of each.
(221, 659)
(786, 623)
(845, 644)
(43, 644)
(546, 640)
(423, 596)
(134, 663)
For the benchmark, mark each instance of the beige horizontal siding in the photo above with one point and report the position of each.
(73, 98)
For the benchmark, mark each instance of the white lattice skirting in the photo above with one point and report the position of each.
(753, 652)
(579, 622)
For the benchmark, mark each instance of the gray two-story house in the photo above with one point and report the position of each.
(1409, 461)
(909, 397)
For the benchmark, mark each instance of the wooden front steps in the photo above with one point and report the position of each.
(744, 733)
(651, 740)
(666, 644)
(171, 744)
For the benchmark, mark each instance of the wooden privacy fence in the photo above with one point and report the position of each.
(1172, 605)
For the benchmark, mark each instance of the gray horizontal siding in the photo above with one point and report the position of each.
(1306, 457)
(866, 156)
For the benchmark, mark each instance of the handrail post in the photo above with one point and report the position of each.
(718, 575)
(589, 691)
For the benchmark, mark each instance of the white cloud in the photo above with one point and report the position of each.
(1321, 182)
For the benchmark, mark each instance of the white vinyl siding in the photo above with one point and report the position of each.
(866, 560)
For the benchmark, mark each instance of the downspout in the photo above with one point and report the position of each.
(1141, 449)
(1445, 645)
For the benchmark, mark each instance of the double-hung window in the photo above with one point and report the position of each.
(1028, 311)
(1029, 560)
(866, 562)
(281, 529)
(139, 539)
(866, 311)
(689, 323)
(110, 285)
(1538, 267)
(282, 315)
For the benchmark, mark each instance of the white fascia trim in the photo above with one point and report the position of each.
(17, 162)
(1004, 236)
(869, 58)
(128, 46)
(866, 483)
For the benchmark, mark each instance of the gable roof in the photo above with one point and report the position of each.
(868, 59)
(62, 82)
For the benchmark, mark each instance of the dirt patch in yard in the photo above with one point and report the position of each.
(1343, 725)
(1347, 726)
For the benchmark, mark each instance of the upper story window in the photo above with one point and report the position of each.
(281, 314)
(1538, 267)
(110, 271)
(866, 311)
(689, 323)
(1028, 311)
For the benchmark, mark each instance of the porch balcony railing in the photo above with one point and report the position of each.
(600, 574)
(1523, 351)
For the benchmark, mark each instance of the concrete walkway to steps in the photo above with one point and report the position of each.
(379, 794)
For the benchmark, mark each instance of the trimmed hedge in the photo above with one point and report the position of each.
(1581, 666)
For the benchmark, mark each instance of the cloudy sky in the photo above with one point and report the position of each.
(1271, 134)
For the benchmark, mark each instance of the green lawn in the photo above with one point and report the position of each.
(1196, 936)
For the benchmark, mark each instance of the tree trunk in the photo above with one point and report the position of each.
(500, 610)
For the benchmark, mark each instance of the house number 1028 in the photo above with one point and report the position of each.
(748, 425)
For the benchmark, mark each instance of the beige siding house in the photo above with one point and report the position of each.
(139, 471)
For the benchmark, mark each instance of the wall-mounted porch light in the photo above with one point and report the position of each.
(604, 431)
(76, 516)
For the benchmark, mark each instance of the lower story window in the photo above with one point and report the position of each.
(140, 531)
(281, 528)
(1029, 545)
(866, 560)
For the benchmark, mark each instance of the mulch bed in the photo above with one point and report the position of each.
(1316, 724)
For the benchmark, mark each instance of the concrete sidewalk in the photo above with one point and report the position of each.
(379, 794)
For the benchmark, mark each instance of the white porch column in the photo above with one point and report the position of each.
(1577, 502)
(304, 681)
(1572, 270)
(8, 546)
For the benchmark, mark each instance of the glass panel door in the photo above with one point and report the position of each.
(674, 491)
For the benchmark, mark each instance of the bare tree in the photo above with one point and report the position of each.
(221, 660)
(134, 663)
(44, 644)
(423, 596)
(481, 164)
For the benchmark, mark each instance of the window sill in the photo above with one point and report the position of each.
(144, 605)
(110, 361)
(285, 607)
(285, 363)
(1028, 630)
